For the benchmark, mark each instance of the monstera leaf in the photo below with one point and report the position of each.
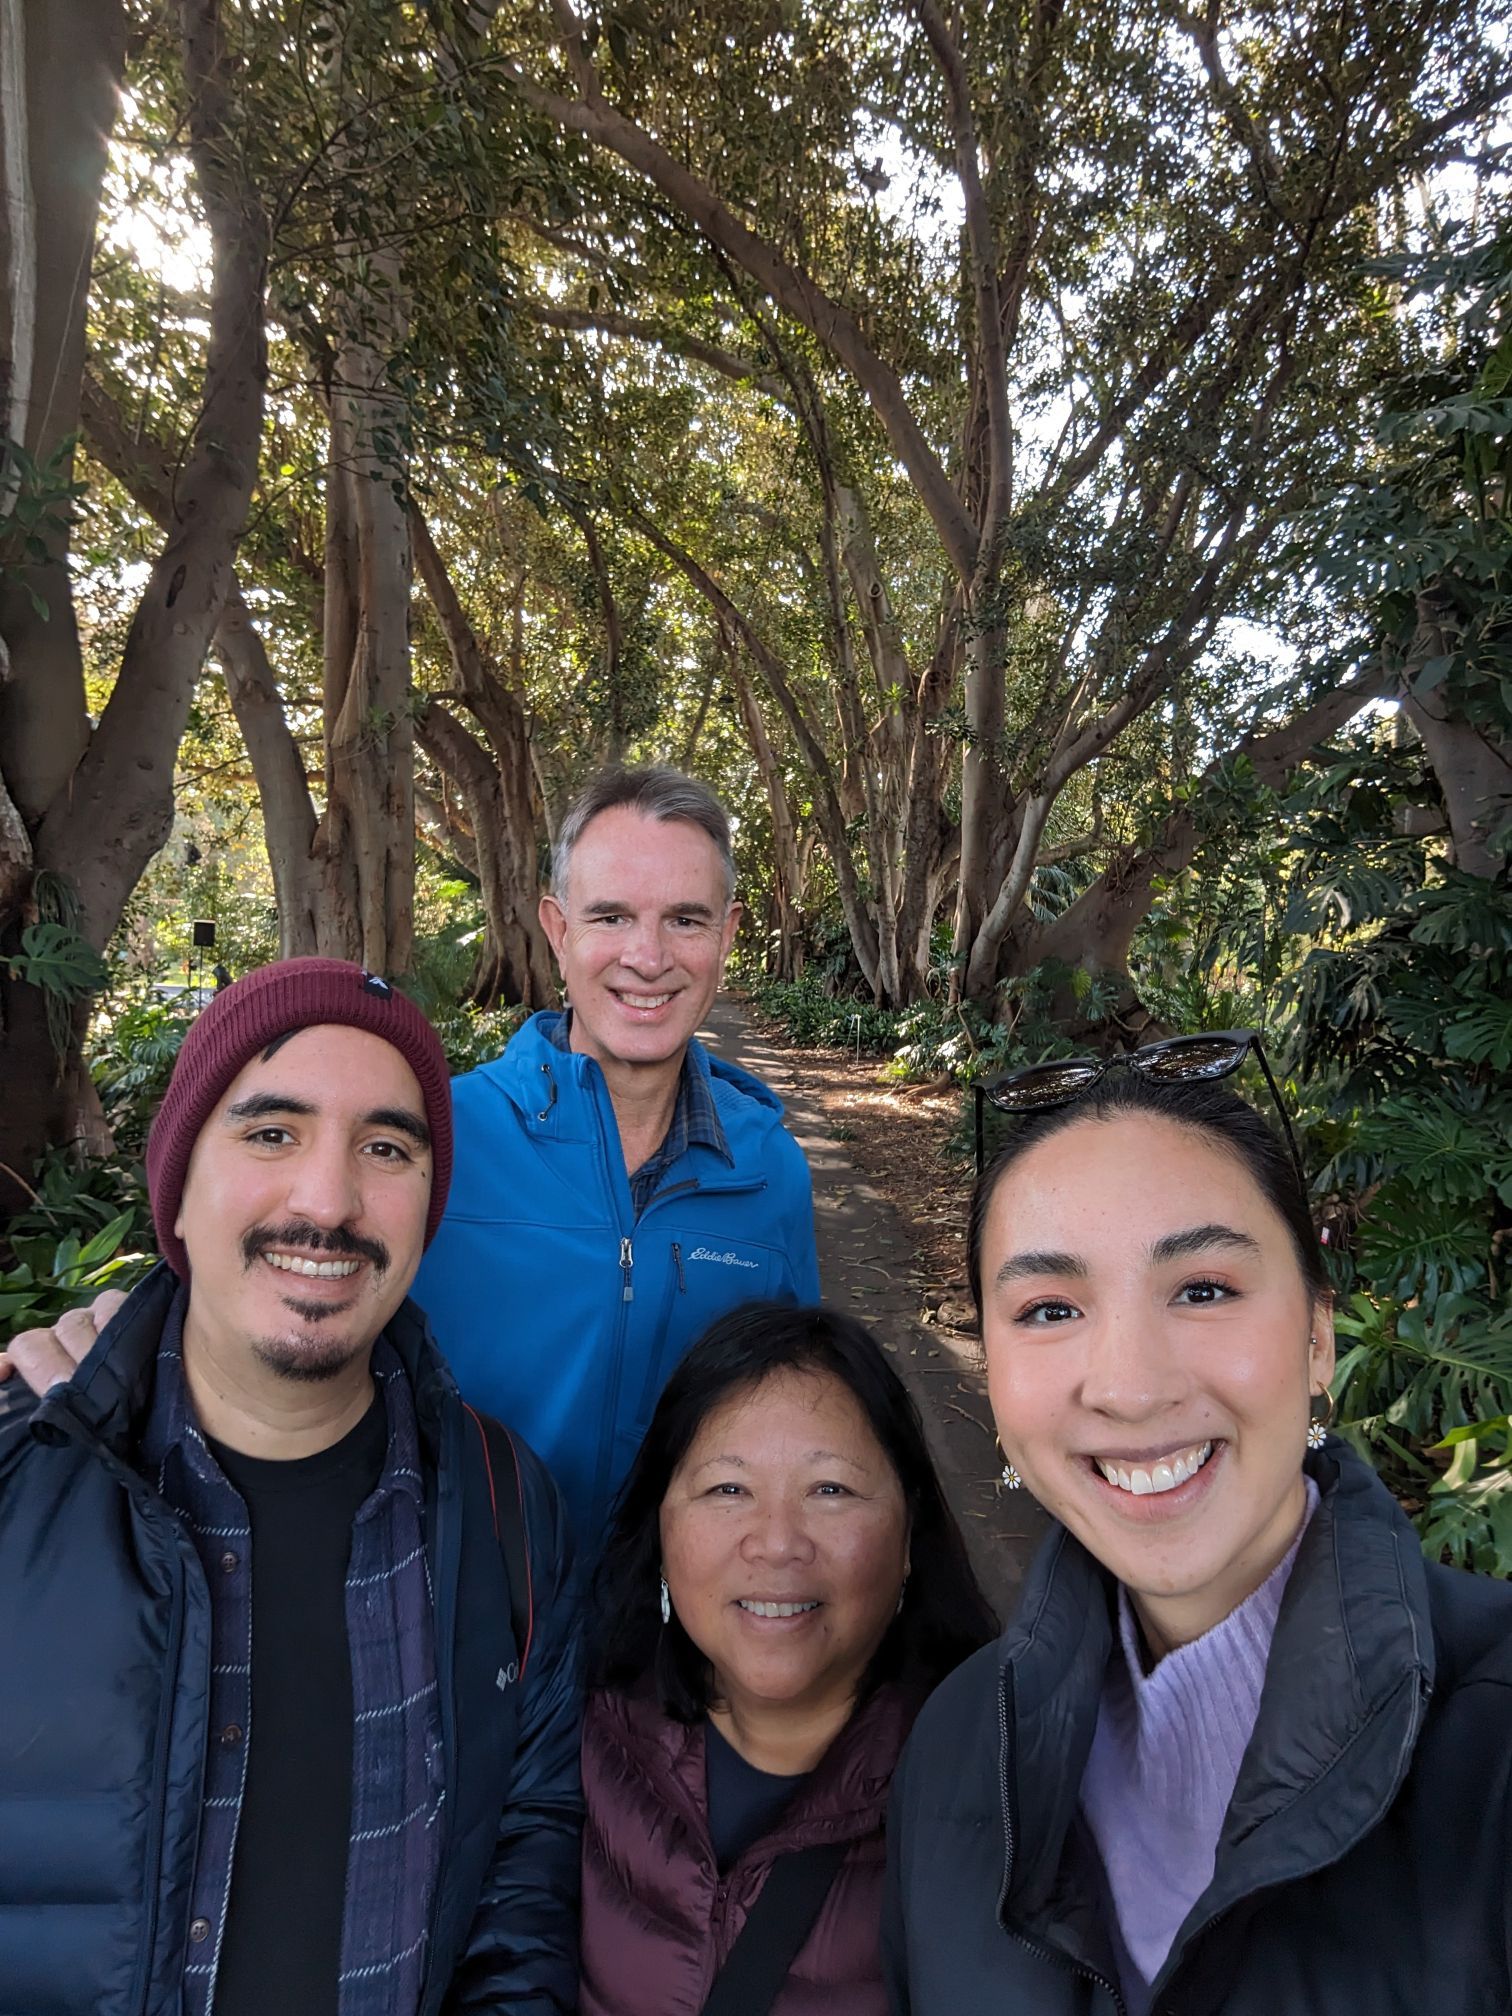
(64, 966)
(58, 961)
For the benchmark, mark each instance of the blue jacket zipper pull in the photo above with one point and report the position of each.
(627, 1261)
(551, 1093)
(682, 1281)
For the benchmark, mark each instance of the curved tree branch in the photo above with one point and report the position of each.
(1098, 928)
(636, 328)
(794, 290)
(984, 270)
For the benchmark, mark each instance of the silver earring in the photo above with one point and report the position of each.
(666, 1601)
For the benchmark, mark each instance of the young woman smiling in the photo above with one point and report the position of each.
(1242, 1749)
(782, 1586)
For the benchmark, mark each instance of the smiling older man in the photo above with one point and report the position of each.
(616, 1187)
(288, 1705)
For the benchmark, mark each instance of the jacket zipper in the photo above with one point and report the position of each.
(154, 1870)
(1038, 1947)
(682, 1279)
(610, 1408)
(627, 1287)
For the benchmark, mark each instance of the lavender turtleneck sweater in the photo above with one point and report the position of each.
(1163, 1764)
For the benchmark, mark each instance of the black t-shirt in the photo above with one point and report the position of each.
(744, 1803)
(282, 1946)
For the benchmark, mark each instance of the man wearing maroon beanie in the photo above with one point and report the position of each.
(288, 1702)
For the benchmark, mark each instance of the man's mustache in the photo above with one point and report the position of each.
(340, 1243)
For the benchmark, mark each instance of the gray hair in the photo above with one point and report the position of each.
(656, 792)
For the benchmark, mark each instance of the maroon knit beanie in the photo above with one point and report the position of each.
(244, 1019)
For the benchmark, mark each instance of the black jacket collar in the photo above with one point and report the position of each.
(110, 1393)
(1350, 1673)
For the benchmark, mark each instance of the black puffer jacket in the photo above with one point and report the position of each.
(1365, 1864)
(104, 1691)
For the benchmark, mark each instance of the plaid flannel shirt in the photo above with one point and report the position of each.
(695, 1120)
(397, 1778)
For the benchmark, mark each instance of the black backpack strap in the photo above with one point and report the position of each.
(506, 1493)
(773, 1934)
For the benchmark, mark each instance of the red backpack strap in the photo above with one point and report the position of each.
(509, 1529)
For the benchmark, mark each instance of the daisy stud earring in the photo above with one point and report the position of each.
(1319, 1424)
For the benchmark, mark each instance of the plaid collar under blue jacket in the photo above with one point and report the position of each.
(695, 1119)
(397, 1779)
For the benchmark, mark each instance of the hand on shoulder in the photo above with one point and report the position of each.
(44, 1358)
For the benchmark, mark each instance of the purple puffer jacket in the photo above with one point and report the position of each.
(658, 1919)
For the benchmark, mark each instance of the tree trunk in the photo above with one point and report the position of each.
(50, 1099)
(985, 791)
(502, 806)
(881, 838)
(786, 922)
(1475, 775)
(514, 964)
(61, 65)
(366, 843)
(1473, 768)
(829, 814)
(288, 812)
(931, 840)
(873, 756)
(614, 669)
(96, 809)
(145, 468)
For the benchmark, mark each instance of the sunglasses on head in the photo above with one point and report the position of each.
(1038, 1088)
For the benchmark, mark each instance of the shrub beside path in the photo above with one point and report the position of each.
(868, 1264)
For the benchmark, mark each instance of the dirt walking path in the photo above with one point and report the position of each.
(905, 1280)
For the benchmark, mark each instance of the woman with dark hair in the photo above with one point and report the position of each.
(1242, 1749)
(782, 1586)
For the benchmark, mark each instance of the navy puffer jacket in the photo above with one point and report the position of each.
(1363, 1865)
(104, 1672)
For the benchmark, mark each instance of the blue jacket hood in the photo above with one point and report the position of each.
(743, 1100)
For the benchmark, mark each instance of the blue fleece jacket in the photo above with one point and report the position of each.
(557, 1309)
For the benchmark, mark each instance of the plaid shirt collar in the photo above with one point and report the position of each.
(172, 1435)
(695, 1118)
